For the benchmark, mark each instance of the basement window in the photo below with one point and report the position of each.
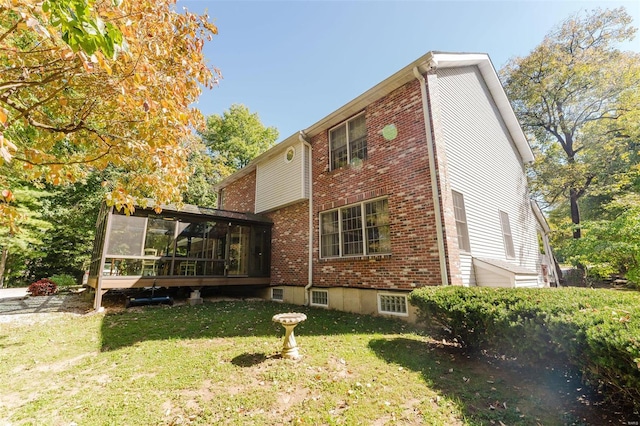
(392, 304)
(320, 297)
(277, 294)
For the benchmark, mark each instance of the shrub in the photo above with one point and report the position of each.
(63, 280)
(597, 331)
(43, 287)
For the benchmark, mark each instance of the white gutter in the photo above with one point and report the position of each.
(307, 288)
(444, 276)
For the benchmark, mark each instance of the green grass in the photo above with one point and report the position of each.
(218, 363)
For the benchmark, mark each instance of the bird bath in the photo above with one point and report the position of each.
(289, 322)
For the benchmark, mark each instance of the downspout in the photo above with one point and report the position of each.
(444, 276)
(307, 288)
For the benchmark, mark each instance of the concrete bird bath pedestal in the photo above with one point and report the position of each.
(289, 322)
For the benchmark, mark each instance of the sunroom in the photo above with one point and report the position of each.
(179, 247)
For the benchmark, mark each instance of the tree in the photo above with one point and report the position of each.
(204, 172)
(237, 136)
(87, 85)
(20, 250)
(575, 95)
(610, 246)
(72, 211)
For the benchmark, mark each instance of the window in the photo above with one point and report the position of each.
(507, 236)
(127, 235)
(320, 297)
(394, 304)
(355, 230)
(461, 221)
(348, 142)
(289, 154)
(330, 234)
(160, 233)
(277, 294)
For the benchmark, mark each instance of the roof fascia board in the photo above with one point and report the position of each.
(540, 216)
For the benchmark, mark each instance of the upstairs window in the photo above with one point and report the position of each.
(507, 236)
(461, 221)
(348, 142)
(356, 230)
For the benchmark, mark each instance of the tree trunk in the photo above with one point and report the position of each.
(3, 264)
(575, 212)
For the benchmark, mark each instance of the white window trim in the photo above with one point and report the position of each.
(319, 304)
(508, 243)
(286, 154)
(465, 237)
(399, 314)
(343, 122)
(274, 299)
(364, 230)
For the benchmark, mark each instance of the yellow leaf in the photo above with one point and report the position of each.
(7, 195)
(3, 115)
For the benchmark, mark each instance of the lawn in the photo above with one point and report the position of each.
(218, 363)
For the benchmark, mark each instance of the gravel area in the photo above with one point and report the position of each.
(43, 308)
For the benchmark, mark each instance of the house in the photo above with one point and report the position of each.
(419, 181)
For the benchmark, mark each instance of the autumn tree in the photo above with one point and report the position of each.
(237, 136)
(576, 94)
(87, 85)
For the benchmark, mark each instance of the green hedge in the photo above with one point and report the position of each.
(598, 331)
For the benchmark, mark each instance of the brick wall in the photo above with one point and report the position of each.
(290, 245)
(240, 195)
(398, 169)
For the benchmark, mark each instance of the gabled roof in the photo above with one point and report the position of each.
(427, 62)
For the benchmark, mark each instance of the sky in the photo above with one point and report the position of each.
(295, 62)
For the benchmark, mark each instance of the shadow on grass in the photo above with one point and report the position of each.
(494, 391)
(249, 359)
(230, 319)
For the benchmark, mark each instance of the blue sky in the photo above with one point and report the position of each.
(294, 62)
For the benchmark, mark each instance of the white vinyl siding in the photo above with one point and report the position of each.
(280, 182)
(466, 270)
(485, 166)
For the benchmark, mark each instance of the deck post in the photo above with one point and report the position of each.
(97, 300)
